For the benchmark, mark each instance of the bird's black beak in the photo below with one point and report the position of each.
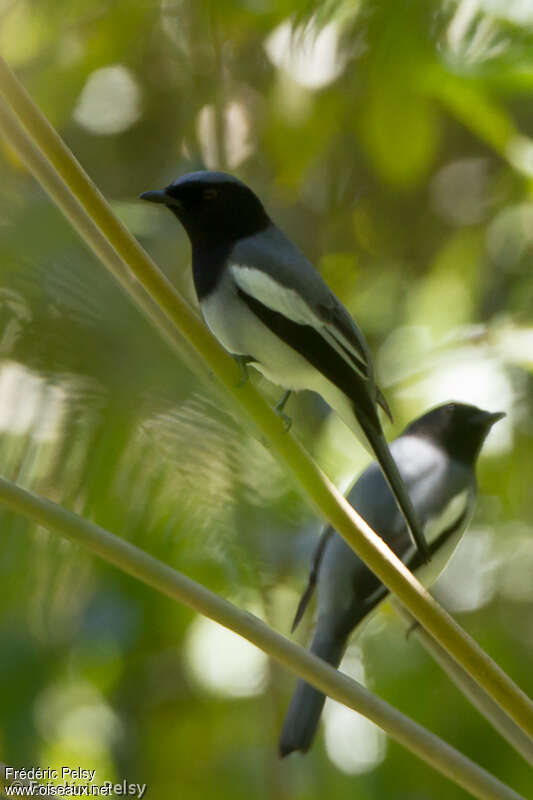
(492, 417)
(160, 196)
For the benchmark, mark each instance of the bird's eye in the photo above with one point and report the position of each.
(210, 194)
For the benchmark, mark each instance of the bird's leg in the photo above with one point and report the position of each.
(278, 408)
(243, 362)
(412, 628)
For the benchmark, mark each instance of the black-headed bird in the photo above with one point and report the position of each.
(436, 456)
(269, 307)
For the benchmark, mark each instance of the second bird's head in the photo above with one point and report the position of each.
(213, 207)
(459, 428)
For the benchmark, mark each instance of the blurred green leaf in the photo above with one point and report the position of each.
(405, 178)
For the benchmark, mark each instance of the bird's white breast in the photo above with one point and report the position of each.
(241, 332)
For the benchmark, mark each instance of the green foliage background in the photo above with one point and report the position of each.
(405, 174)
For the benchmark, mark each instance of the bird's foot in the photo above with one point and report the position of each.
(412, 628)
(243, 362)
(423, 553)
(426, 553)
(278, 408)
(286, 420)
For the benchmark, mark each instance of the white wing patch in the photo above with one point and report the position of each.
(449, 516)
(290, 304)
(273, 295)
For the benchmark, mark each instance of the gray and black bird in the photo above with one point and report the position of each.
(436, 457)
(269, 307)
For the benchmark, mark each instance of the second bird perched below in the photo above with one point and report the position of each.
(268, 306)
(436, 455)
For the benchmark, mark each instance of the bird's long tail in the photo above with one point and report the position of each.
(301, 720)
(390, 471)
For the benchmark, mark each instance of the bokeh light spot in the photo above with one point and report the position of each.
(223, 662)
(110, 101)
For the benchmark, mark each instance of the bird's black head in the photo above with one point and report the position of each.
(458, 428)
(214, 207)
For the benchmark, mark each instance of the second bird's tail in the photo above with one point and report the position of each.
(301, 720)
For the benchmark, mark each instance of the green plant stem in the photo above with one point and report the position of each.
(164, 579)
(89, 232)
(499, 720)
(39, 144)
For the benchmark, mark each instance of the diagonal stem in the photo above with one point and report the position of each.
(164, 579)
(499, 720)
(45, 154)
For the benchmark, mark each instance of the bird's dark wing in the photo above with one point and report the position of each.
(347, 589)
(373, 500)
(414, 561)
(311, 343)
(270, 269)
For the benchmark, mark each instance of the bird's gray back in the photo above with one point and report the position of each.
(432, 480)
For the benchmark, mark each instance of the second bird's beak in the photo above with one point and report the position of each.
(494, 417)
